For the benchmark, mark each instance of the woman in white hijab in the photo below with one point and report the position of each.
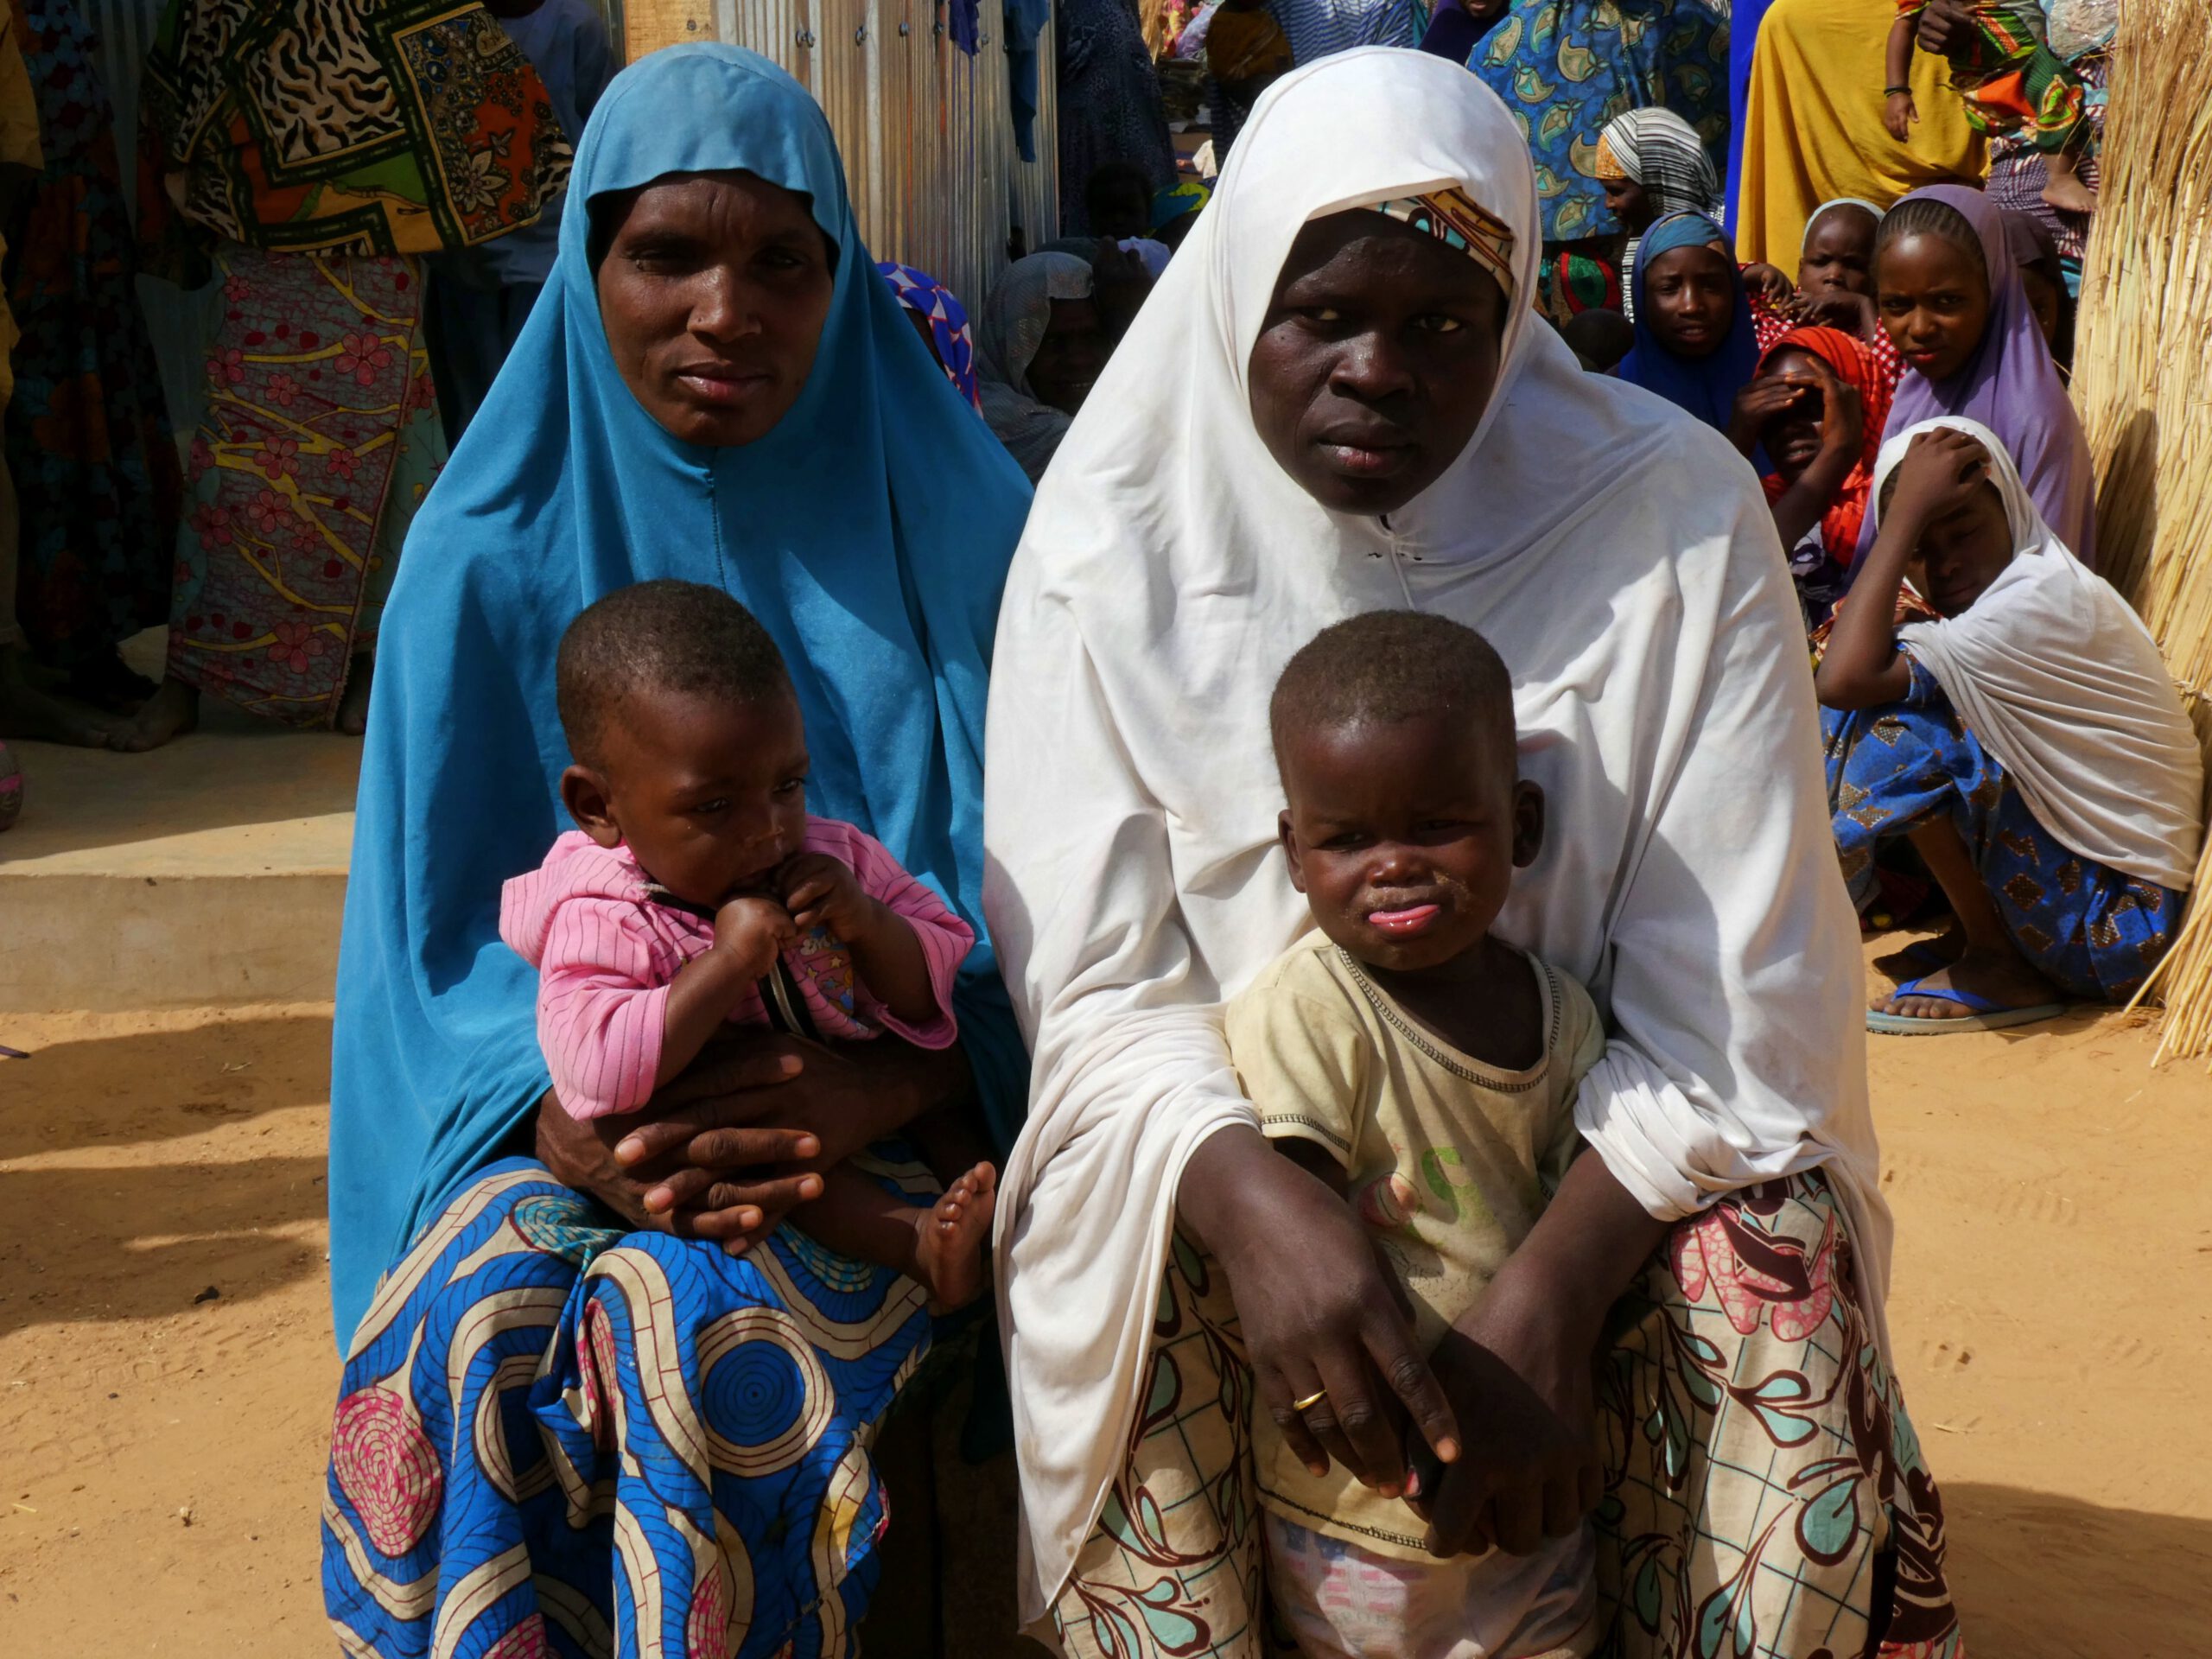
(1329, 410)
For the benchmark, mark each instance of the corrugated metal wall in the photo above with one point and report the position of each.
(925, 130)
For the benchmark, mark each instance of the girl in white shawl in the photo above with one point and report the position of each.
(2029, 743)
(1329, 410)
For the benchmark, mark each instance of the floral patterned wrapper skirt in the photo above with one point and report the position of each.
(321, 439)
(1765, 1496)
(2095, 932)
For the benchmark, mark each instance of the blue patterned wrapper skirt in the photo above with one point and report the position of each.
(2091, 929)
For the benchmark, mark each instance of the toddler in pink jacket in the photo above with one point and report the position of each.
(698, 890)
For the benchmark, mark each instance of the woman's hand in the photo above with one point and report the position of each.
(1517, 1365)
(1940, 472)
(1764, 400)
(733, 1145)
(719, 1091)
(1318, 1314)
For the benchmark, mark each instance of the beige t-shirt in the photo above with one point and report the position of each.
(1447, 1161)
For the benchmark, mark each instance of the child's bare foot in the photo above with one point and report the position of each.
(2063, 188)
(169, 713)
(951, 1256)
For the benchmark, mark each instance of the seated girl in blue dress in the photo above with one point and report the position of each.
(2029, 742)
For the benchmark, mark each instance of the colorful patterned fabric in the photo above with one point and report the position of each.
(2010, 81)
(535, 1396)
(88, 438)
(2018, 173)
(299, 125)
(1457, 220)
(937, 306)
(1569, 282)
(1566, 67)
(1758, 1459)
(320, 438)
(2092, 931)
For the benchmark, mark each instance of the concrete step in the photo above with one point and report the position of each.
(211, 872)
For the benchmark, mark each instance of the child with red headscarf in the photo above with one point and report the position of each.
(1816, 407)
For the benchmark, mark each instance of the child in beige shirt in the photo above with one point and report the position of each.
(1426, 1071)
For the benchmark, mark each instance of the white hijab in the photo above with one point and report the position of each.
(1621, 557)
(2058, 678)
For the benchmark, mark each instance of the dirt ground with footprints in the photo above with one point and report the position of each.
(166, 1365)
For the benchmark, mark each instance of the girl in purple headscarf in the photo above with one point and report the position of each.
(1954, 303)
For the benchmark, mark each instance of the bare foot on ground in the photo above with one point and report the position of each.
(352, 717)
(2002, 976)
(169, 713)
(37, 716)
(955, 1237)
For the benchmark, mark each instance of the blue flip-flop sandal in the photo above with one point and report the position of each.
(1982, 1013)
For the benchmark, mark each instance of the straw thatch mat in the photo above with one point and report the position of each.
(2144, 382)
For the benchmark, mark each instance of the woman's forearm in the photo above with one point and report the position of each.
(1207, 1199)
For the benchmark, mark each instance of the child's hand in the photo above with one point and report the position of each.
(1939, 474)
(1768, 282)
(1843, 412)
(1899, 114)
(823, 892)
(750, 930)
(1762, 401)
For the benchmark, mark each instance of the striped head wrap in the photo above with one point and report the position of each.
(1658, 149)
(1456, 220)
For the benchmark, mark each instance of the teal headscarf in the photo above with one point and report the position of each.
(870, 532)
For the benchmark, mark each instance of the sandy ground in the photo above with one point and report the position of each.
(162, 1454)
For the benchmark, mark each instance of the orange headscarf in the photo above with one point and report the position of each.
(1855, 366)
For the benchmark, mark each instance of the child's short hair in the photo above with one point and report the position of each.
(671, 636)
(1387, 666)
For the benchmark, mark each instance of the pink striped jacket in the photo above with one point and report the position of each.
(607, 952)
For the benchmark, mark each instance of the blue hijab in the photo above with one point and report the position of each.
(870, 532)
(1706, 386)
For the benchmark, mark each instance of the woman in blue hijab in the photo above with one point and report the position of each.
(1695, 343)
(575, 1414)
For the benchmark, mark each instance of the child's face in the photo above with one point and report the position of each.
(1838, 256)
(1691, 294)
(1935, 303)
(1963, 552)
(1792, 439)
(1404, 837)
(709, 796)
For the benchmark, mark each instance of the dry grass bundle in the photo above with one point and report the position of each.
(2144, 382)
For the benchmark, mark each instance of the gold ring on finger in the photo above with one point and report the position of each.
(1310, 1399)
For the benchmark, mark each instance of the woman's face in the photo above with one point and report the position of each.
(714, 290)
(1935, 302)
(1374, 362)
(1069, 357)
(1690, 295)
(1964, 551)
(1839, 254)
(1792, 438)
(1627, 200)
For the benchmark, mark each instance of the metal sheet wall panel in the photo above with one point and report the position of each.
(926, 132)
